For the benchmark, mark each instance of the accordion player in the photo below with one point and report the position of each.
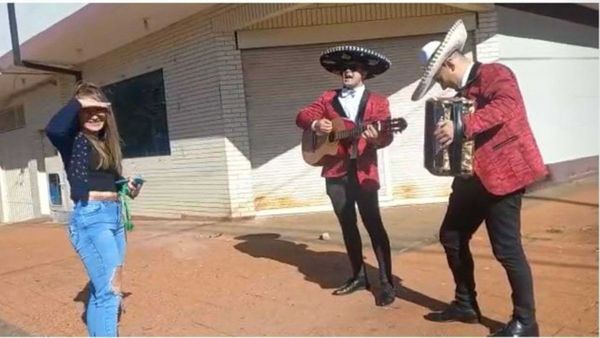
(457, 158)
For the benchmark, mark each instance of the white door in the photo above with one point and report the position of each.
(16, 179)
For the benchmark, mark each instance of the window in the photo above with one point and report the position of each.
(141, 114)
(55, 189)
(12, 118)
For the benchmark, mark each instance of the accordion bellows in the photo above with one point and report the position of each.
(457, 159)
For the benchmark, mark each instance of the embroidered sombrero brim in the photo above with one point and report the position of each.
(455, 40)
(337, 59)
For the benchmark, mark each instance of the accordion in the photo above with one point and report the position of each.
(457, 158)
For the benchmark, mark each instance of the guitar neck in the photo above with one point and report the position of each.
(393, 125)
(350, 133)
(358, 130)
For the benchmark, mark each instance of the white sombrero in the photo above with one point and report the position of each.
(434, 53)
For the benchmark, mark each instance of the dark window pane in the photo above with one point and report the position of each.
(55, 189)
(140, 110)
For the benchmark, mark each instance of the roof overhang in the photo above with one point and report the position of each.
(93, 30)
(482, 7)
(591, 5)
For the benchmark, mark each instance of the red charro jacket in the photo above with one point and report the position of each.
(373, 107)
(506, 157)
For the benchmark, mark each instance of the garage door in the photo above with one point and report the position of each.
(281, 80)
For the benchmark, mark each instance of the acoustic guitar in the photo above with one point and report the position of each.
(316, 146)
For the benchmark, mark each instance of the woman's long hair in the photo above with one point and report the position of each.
(107, 142)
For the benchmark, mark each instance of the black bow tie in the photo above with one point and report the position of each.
(348, 92)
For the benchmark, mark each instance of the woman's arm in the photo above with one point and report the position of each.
(63, 127)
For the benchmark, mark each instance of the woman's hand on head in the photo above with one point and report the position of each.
(88, 102)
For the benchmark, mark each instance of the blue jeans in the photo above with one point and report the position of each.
(98, 235)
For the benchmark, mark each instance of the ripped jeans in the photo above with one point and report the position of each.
(98, 235)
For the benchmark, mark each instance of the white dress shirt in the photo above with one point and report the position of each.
(465, 77)
(350, 100)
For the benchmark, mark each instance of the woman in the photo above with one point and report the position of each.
(85, 133)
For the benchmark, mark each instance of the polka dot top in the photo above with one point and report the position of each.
(75, 149)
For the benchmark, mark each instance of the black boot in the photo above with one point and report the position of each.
(353, 284)
(386, 296)
(515, 328)
(456, 313)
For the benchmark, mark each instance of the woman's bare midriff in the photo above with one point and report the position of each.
(103, 196)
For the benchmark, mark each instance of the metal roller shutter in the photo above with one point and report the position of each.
(281, 80)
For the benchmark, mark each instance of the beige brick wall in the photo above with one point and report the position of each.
(488, 49)
(26, 156)
(193, 179)
(235, 127)
(208, 172)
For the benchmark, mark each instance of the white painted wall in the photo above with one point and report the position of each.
(25, 156)
(556, 63)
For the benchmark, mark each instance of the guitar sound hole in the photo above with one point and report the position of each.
(331, 137)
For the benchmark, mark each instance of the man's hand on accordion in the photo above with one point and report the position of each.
(444, 133)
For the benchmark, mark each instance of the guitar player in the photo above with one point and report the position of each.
(351, 175)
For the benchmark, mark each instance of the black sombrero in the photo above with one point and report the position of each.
(337, 59)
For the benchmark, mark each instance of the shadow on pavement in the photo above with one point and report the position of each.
(330, 269)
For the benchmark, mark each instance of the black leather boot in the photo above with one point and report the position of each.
(386, 296)
(352, 285)
(515, 328)
(456, 313)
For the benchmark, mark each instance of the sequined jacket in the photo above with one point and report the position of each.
(507, 157)
(373, 107)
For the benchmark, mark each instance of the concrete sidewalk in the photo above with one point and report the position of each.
(273, 276)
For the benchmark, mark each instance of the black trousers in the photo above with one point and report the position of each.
(344, 193)
(470, 204)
